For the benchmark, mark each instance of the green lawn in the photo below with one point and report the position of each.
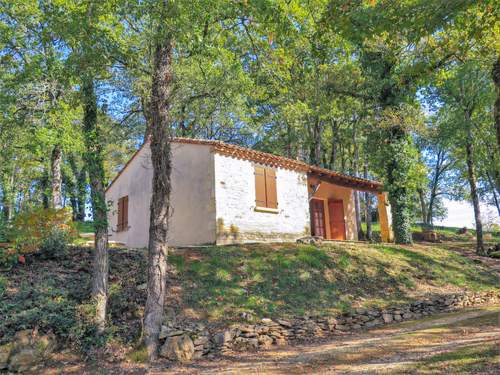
(290, 279)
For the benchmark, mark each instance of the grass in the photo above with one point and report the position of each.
(218, 284)
(221, 283)
(445, 233)
(84, 226)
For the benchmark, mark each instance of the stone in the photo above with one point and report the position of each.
(267, 321)
(23, 338)
(247, 329)
(342, 327)
(142, 286)
(397, 317)
(163, 332)
(178, 348)
(175, 333)
(201, 340)
(387, 318)
(265, 341)
(246, 344)
(285, 323)
(280, 341)
(25, 359)
(5, 351)
(222, 338)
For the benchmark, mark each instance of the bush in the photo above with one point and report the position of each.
(9, 257)
(55, 245)
(31, 229)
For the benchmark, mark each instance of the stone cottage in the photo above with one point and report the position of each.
(222, 193)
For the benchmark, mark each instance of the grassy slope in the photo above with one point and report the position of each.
(219, 283)
(287, 280)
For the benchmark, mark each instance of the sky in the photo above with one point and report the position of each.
(461, 214)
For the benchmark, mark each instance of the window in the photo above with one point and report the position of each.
(122, 214)
(265, 188)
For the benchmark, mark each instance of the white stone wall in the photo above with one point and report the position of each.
(235, 203)
(192, 220)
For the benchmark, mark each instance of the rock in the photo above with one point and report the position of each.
(5, 351)
(163, 332)
(201, 340)
(224, 337)
(178, 348)
(142, 286)
(285, 323)
(312, 240)
(175, 333)
(342, 327)
(23, 338)
(247, 329)
(280, 341)
(246, 344)
(397, 317)
(387, 318)
(267, 321)
(23, 360)
(265, 341)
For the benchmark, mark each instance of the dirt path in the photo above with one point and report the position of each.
(398, 348)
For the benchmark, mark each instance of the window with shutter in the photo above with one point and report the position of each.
(122, 223)
(265, 188)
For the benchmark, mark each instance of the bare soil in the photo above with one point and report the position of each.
(396, 349)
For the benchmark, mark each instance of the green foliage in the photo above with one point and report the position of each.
(37, 227)
(55, 244)
(9, 257)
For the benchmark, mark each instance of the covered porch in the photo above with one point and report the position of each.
(332, 206)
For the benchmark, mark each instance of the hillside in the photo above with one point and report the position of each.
(219, 284)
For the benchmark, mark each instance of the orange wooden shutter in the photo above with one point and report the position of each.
(120, 215)
(271, 195)
(260, 187)
(125, 213)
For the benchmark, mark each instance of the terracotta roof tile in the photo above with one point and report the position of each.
(283, 162)
(275, 161)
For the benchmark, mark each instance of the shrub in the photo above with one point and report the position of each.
(3, 230)
(8, 257)
(31, 228)
(55, 244)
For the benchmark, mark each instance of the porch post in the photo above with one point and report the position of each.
(384, 214)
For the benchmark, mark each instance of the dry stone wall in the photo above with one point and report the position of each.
(268, 332)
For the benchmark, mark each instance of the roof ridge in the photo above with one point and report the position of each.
(277, 160)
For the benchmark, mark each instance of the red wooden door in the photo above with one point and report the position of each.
(337, 222)
(318, 218)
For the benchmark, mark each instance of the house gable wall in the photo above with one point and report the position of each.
(237, 217)
(192, 220)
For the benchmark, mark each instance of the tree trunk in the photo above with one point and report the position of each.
(160, 200)
(80, 192)
(357, 208)
(494, 191)
(423, 207)
(397, 168)
(55, 168)
(316, 145)
(288, 141)
(94, 159)
(335, 140)
(496, 111)
(44, 186)
(474, 196)
(368, 207)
